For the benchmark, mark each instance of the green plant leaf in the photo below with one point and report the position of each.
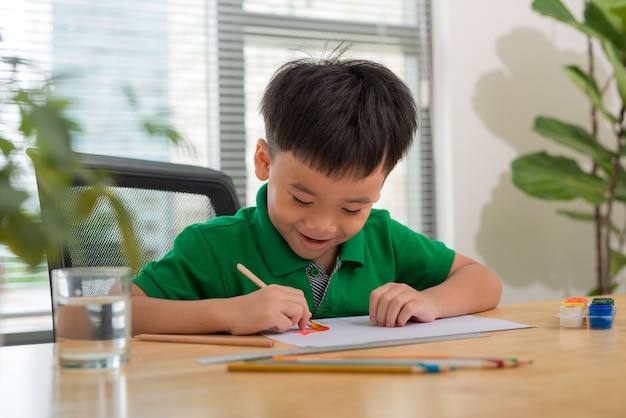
(24, 237)
(584, 217)
(131, 96)
(600, 19)
(125, 222)
(11, 199)
(577, 216)
(14, 61)
(603, 24)
(596, 291)
(574, 137)
(6, 147)
(554, 9)
(620, 190)
(588, 86)
(173, 135)
(619, 70)
(556, 178)
(84, 203)
(618, 262)
(617, 9)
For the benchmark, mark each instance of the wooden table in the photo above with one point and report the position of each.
(576, 373)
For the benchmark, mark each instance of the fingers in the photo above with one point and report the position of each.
(394, 304)
(290, 310)
(286, 322)
(304, 321)
(386, 302)
(274, 307)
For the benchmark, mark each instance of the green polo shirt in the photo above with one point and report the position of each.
(202, 262)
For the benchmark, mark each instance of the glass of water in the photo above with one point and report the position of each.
(92, 316)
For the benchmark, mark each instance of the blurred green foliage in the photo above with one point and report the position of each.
(34, 121)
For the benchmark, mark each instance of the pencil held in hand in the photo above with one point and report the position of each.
(260, 283)
(250, 275)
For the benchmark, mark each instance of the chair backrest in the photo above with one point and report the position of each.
(162, 198)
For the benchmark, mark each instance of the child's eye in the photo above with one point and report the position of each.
(351, 212)
(300, 202)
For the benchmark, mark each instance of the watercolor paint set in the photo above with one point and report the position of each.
(575, 312)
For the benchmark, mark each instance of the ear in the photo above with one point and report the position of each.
(261, 160)
(380, 190)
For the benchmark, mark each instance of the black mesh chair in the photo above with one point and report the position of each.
(162, 198)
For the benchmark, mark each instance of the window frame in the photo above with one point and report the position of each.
(229, 27)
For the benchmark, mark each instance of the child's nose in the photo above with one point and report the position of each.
(322, 223)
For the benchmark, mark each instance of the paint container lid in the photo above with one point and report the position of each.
(575, 299)
(602, 301)
(582, 302)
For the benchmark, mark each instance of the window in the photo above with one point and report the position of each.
(202, 66)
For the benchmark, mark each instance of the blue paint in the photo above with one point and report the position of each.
(600, 316)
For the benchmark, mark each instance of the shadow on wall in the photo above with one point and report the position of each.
(522, 238)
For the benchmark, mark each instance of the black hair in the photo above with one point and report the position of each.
(341, 117)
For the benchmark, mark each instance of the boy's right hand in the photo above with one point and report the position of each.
(274, 307)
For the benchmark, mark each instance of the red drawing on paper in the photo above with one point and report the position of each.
(309, 331)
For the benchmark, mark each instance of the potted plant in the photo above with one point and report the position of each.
(598, 176)
(36, 122)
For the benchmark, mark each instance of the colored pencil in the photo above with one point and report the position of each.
(359, 356)
(208, 339)
(251, 276)
(336, 368)
(432, 359)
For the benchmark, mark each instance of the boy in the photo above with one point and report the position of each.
(335, 129)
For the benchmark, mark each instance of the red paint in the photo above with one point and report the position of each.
(309, 331)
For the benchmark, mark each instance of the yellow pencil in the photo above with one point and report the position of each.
(335, 368)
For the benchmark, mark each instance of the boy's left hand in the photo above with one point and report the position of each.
(394, 304)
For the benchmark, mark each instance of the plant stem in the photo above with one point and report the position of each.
(602, 222)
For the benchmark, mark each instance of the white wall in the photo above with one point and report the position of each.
(498, 65)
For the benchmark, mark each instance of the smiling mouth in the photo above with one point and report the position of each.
(313, 240)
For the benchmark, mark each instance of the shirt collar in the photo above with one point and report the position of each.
(278, 255)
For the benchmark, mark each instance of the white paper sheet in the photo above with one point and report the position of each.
(359, 330)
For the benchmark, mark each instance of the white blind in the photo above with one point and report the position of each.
(395, 33)
(95, 49)
(202, 65)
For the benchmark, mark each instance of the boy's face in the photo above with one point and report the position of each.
(313, 213)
